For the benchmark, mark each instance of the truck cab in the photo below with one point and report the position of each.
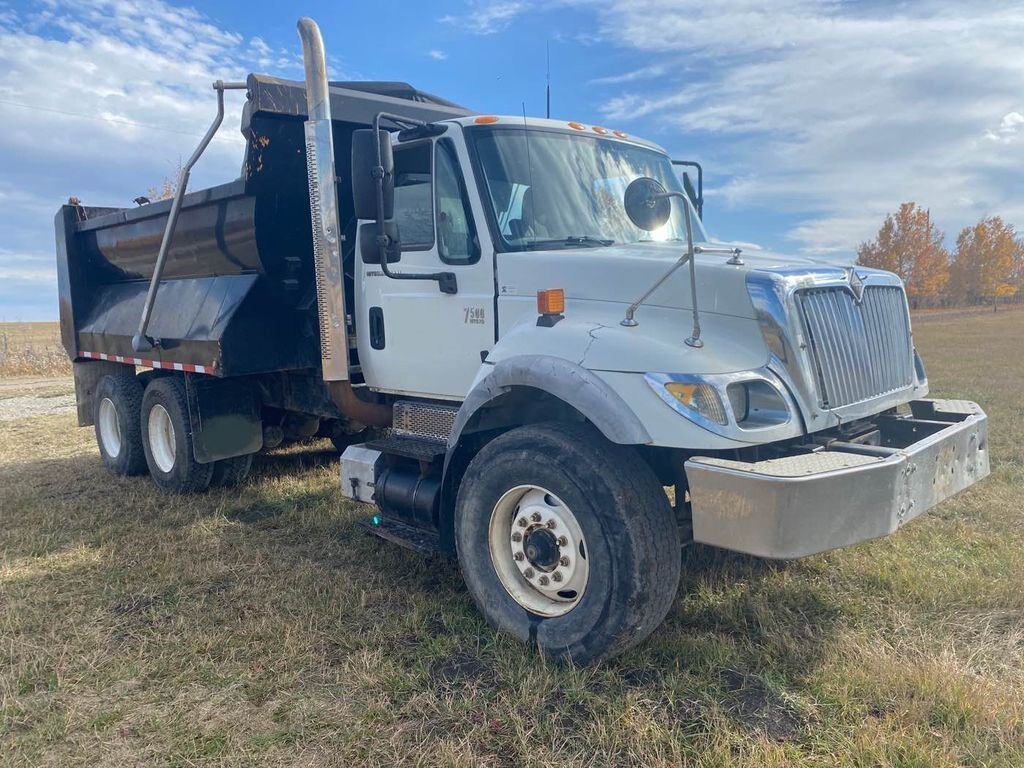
(519, 332)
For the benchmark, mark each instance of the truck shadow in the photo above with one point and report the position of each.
(737, 621)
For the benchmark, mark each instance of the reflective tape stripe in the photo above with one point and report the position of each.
(187, 367)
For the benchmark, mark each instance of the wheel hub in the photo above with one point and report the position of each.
(110, 428)
(537, 548)
(542, 549)
(161, 438)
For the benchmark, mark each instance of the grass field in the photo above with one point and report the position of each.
(261, 625)
(32, 349)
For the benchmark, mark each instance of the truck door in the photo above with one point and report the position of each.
(413, 339)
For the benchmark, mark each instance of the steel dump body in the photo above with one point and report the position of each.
(237, 293)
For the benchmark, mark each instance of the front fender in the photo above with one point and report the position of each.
(572, 384)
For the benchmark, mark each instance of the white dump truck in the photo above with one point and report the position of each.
(522, 338)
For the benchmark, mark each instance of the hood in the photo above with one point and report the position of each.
(601, 282)
(623, 273)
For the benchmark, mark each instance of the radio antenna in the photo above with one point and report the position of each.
(548, 54)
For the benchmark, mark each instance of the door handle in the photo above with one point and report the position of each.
(377, 339)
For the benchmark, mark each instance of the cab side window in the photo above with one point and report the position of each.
(414, 212)
(456, 236)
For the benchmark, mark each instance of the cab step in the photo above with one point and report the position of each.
(403, 534)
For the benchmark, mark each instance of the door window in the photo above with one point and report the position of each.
(414, 212)
(456, 236)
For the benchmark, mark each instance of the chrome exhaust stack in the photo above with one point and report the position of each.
(323, 207)
(327, 237)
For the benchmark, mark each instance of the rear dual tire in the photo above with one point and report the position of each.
(148, 428)
(167, 439)
(116, 413)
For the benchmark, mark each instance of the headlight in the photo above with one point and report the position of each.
(703, 398)
(727, 403)
(757, 404)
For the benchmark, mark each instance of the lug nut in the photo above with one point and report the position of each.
(528, 573)
(551, 523)
(522, 522)
(517, 536)
(518, 555)
(562, 541)
(563, 560)
(535, 517)
(543, 581)
(556, 576)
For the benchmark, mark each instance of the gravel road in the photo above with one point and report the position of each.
(28, 398)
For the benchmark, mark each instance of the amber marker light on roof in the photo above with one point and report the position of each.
(620, 134)
(599, 129)
(577, 126)
(485, 119)
(551, 301)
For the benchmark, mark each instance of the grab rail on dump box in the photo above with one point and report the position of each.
(141, 341)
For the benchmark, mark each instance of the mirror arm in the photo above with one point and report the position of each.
(694, 340)
(630, 321)
(446, 281)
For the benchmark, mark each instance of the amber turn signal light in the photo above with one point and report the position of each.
(551, 301)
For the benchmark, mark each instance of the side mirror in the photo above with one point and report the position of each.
(365, 163)
(647, 203)
(369, 248)
(690, 190)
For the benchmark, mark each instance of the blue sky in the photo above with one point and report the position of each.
(813, 118)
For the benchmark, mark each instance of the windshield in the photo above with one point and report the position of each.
(561, 189)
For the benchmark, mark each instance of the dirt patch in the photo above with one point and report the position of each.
(758, 707)
(459, 668)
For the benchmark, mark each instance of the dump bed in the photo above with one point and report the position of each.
(237, 295)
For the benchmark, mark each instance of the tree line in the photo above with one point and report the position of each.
(987, 265)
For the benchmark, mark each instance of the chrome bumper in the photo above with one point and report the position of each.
(812, 502)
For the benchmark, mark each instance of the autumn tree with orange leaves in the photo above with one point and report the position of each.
(910, 245)
(988, 263)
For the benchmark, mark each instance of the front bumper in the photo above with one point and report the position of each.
(811, 502)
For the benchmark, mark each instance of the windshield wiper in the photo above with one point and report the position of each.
(585, 240)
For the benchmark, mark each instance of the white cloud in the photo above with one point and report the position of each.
(643, 73)
(1008, 128)
(102, 100)
(27, 267)
(437, 55)
(836, 112)
(486, 18)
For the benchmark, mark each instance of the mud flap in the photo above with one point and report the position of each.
(225, 418)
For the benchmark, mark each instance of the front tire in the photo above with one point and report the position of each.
(167, 439)
(567, 541)
(115, 414)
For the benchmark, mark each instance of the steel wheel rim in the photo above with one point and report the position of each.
(538, 550)
(161, 438)
(110, 428)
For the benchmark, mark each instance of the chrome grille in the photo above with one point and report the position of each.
(859, 351)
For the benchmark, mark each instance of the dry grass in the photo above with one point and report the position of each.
(32, 349)
(262, 626)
